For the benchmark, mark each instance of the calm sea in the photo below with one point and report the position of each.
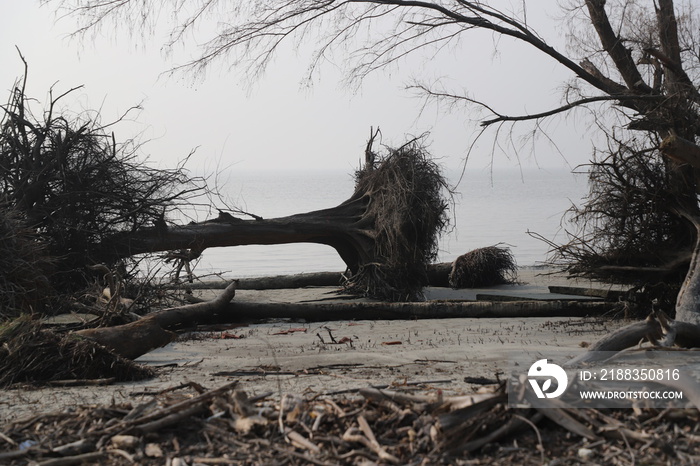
(491, 208)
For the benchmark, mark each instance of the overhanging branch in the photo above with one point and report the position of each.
(564, 108)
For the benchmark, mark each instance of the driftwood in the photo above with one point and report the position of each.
(437, 276)
(226, 426)
(657, 329)
(324, 311)
(274, 282)
(137, 338)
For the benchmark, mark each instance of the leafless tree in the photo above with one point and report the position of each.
(639, 58)
(73, 184)
(92, 200)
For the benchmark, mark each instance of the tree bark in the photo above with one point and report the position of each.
(438, 275)
(343, 227)
(323, 311)
(681, 150)
(615, 46)
(153, 331)
(688, 301)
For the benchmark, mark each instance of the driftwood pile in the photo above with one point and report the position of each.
(189, 424)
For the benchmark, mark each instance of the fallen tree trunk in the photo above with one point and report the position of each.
(359, 310)
(339, 227)
(137, 338)
(657, 329)
(437, 276)
(386, 232)
(275, 282)
(153, 331)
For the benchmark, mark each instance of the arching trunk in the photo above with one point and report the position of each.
(343, 227)
(386, 232)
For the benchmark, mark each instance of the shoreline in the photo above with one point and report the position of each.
(302, 358)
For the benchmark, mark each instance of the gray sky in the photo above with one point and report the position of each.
(276, 123)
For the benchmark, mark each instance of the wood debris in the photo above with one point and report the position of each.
(189, 425)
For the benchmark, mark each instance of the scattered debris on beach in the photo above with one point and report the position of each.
(189, 424)
(32, 354)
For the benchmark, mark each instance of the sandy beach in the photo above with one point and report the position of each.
(453, 355)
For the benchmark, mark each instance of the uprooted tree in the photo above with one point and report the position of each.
(76, 201)
(92, 201)
(639, 58)
(386, 232)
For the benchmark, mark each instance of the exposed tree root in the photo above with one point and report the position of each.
(386, 232)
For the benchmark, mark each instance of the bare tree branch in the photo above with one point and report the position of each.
(614, 46)
(567, 107)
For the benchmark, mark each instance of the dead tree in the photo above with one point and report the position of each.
(386, 232)
(92, 201)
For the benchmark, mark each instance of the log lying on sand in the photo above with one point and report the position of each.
(657, 329)
(323, 311)
(494, 263)
(135, 339)
(153, 331)
(437, 276)
(274, 282)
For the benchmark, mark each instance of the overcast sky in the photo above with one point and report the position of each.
(277, 123)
